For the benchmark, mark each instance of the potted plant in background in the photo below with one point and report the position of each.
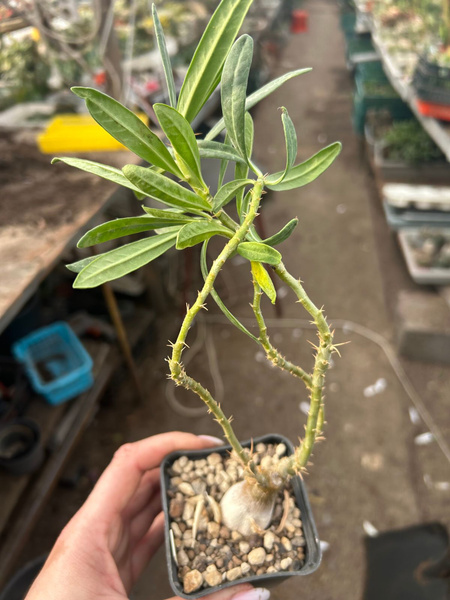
(247, 500)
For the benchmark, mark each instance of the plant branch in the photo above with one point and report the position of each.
(177, 372)
(272, 353)
(314, 423)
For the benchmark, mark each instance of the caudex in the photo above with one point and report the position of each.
(193, 214)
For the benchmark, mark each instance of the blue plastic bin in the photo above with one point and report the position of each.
(56, 362)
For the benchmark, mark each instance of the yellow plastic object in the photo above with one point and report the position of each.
(78, 133)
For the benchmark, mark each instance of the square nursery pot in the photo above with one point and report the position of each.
(312, 546)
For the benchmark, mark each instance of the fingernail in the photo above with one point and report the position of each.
(213, 440)
(253, 594)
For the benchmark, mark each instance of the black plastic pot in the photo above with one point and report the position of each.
(313, 554)
(21, 451)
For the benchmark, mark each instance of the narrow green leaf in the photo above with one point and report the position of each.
(184, 143)
(264, 281)
(161, 41)
(256, 97)
(290, 137)
(118, 228)
(206, 65)
(218, 301)
(127, 128)
(306, 171)
(168, 213)
(243, 205)
(165, 190)
(199, 231)
(228, 192)
(241, 171)
(283, 234)
(219, 150)
(124, 260)
(223, 167)
(259, 252)
(234, 91)
(105, 171)
(79, 265)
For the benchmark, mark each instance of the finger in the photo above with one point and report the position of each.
(141, 523)
(148, 545)
(121, 479)
(148, 488)
(243, 591)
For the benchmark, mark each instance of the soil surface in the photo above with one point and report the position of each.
(369, 474)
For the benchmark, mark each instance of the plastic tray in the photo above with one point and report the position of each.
(56, 362)
(421, 275)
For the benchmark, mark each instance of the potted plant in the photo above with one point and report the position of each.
(404, 152)
(252, 496)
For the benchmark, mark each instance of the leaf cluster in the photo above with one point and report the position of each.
(189, 213)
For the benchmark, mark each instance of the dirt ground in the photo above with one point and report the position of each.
(369, 469)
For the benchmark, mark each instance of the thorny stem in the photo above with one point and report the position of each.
(299, 459)
(177, 371)
(272, 353)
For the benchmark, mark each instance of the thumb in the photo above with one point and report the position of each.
(237, 592)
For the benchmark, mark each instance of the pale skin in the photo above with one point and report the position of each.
(104, 548)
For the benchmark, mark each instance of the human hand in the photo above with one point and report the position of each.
(104, 548)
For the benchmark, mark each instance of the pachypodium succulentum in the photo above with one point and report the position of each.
(190, 214)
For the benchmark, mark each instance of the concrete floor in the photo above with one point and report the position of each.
(369, 468)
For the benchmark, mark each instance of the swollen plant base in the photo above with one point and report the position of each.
(204, 555)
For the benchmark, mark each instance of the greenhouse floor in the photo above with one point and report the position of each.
(369, 471)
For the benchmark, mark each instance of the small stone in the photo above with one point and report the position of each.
(210, 478)
(182, 527)
(183, 461)
(190, 553)
(254, 540)
(199, 562)
(192, 581)
(214, 459)
(182, 572)
(225, 533)
(234, 573)
(213, 529)
(224, 486)
(269, 558)
(271, 569)
(189, 466)
(260, 448)
(257, 556)
(209, 551)
(296, 565)
(200, 464)
(285, 563)
(237, 561)
(235, 536)
(244, 547)
(186, 489)
(176, 530)
(220, 562)
(298, 541)
(280, 450)
(286, 543)
(245, 568)
(269, 540)
(296, 523)
(212, 576)
(260, 571)
(176, 508)
(185, 477)
(297, 513)
(183, 558)
(199, 486)
(266, 462)
(175, 481)
(188, 511)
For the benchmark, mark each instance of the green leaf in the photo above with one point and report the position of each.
(259, 252)
(234, 90)
(243, 205)
(165, 190)
(127, 128)
(290, 137)
(124, 260)
(184, 143)
(78, 266)
(168, 214)
(283, 234)
(223, 167)
(161, 41)
(306, 171)
(264, 281)
(241, 171)
(218, 301)
(199, 231)
(228, 192)
(206, 65)
(118, 228)
(219, 150)
(256, 97)
(105, 171)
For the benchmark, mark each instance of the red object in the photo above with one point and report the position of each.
(437, 111)
(299, 22)
(100, 78)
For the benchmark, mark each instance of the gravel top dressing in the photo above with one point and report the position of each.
(206, 552)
